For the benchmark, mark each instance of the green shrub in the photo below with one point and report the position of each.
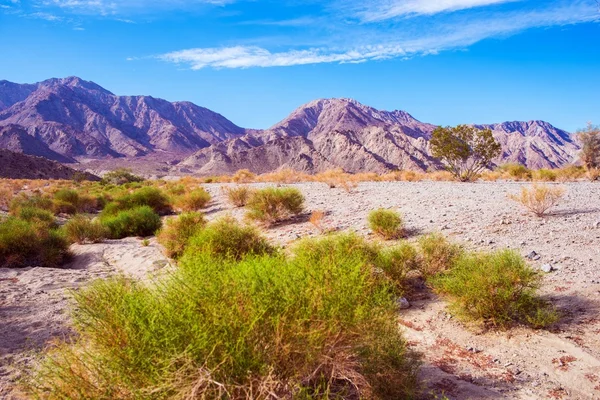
(120, 176)
(226, 238)
(397, 262)
(146, 196)
(35, 201)
(37, 216)
(516, 171)
(29, 244)
(498, 289)
(139, 221)
(271, 205)
(80, 229)
(436, 254)
(175, 235)
(386, 224)
(193, 200)
(62, 207)
(220, 328)
(546, 175)
(238, 195)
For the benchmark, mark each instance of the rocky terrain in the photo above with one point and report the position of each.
(21, 166)
(460, 361)
(72, 120)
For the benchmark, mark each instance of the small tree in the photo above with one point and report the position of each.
(465, 150)
(590, 148)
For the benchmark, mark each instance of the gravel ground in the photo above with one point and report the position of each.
(460, 361)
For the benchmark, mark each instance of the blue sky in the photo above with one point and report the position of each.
(254, 61)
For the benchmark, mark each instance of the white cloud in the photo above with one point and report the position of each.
(371, 11)
(107, 7)
(458, 34)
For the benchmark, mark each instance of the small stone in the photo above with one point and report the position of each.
(403, 303)
(547, 268)
(532, 255)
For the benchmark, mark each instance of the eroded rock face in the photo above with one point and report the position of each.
(71, 119)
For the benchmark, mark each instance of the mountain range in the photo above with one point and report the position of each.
(71, 120)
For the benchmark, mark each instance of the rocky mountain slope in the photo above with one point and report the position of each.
(21, 166)
(71, 120)
(76, 118)
(359, 138)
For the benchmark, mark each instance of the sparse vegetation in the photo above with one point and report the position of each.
(31, 243)
(498, 289)
(539, 198)
(271, 205)
(176, 233)
(227, 238)
(386, 224)
(436, 254)
(243, 176)
(237, 195)
(337, 178)
(516, 171)
(464, 149)
(193, 200)
(316, 219)
(81, 229)
(138, 221)
(120, 176)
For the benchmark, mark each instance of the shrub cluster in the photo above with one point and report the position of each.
(539, 198)
(386, 224)
(316, 324)
(137, 221)
(176, 233)
(193, 200)
(80, 229)
(31, 243)
(271, 204)
(496, 288)
(237, 195)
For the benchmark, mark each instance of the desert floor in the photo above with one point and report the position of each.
(461, 361)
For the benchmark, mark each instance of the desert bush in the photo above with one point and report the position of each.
(62, 207)
(546, 175)
(35, 201)
(436, 254)
(145, 196)
(539, 198)
(237, 195)
(193, 200)
(316, 220)
(220, 328)
(386, 224)
(227, 238)
(336, 178)
(6, 195)
(176, 233)
(81, 229)
(271, 205)
(29, 244)
(120, 176)
(37, 216)
(570, 173)
(498, 289)
(516, 171)
(243, 176)
(138, 221)
(396, 262)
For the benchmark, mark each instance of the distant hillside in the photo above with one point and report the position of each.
(72, 120)
(21, 166)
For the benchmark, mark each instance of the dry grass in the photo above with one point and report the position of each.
(539, 198)
(237, 195)
(316, 220)
(337, 178)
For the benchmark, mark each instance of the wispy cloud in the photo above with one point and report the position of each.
(458, 33)
(378, 10)
(112, 7)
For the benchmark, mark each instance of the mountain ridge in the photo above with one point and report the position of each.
(70, 119)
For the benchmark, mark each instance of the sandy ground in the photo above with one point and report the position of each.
(462, 362)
